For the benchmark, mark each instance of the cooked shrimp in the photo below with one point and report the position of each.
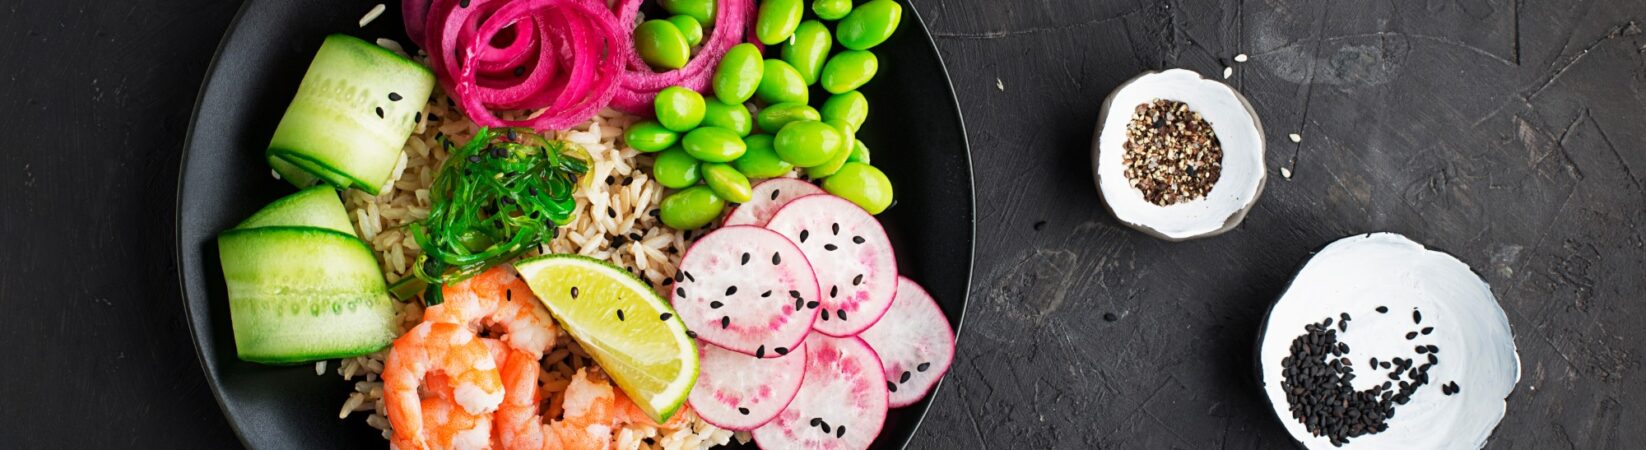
(460, 369)
(498, 298)
(587, 423)
(449, 427)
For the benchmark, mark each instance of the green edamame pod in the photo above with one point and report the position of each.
(661, 45)
(727, 182)
(808, 50)
(840, 155)
(732, 117)
(869, 24)
(739, 73)
(691, 208)
(851, 107)
(679, 109)
(649, 136)
(761, 161)
(702, 10)
(774, 117)
(861, 184)
(689, 27)
(860, 153)
(676, 169)
(807, 143)
(713, 144)
(776, 20)
(849, 70)
(781, 84)
(831, 9)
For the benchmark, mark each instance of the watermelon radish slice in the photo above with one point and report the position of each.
(740, 392)
(768, 197)
(746, 289)
(856, 270)
(841, 404)
(914, 342)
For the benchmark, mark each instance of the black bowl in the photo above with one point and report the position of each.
(915, 130)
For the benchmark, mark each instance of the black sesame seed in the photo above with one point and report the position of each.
(1110, 317)
(379, 112)
(775, 192)
(798, 303)
(691, 334)
(1427, 330)
(803, 234)
(857, 280)
(574, 292)
(745, 258)
(857, 240)
(1417, 316)
(836, 228)
(731, 290)
(610, 211)
(715, 304)
(840, 431)
(834, 291)
(760, 352)
(611, 179)
(813, 305)
(825, 427)
(689, 276)
(619, 315)
(463, 3)
(1434, 349)
(825, 315)
(725, 322)
(743, 411)
(1382, 309)
(679, 277)
(417, 117)
(830, 247)
(795, 294)
(777, 258)
(816, 421)
(766, 294)
(394, 96)
(1421, 349)
(680, 292)
(520, 71)
(434, 117)
(903, 378)
(1411, 335)
(890, 386)
(781, 351)
(923, 366)
(841, 313)
(665, 316)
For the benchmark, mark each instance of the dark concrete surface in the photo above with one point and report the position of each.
(1507, 132)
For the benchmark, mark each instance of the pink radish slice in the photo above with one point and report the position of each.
(856, 269)
(746, 289)
(740, 392)
(841, 404)
(769, 196)
(914, 342)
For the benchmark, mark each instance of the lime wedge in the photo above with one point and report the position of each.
(635, 336)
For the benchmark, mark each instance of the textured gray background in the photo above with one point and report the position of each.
(1504, 131)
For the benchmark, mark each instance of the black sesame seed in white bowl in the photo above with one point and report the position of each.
(1379, 342)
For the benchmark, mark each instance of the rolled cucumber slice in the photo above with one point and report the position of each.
(355, 108)
(301, 294)
(316, 206)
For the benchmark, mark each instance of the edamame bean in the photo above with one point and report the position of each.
(806, 143)
(808, 50)
(869, 24)
(849, 70)
(661, 45)
(831, 9)
(774, 117)
(838, 158)
(679, 109)
(676, 169)
(713, 144)
(732, 117)
(702, 10)
(860, 153)
(777, 20)
(850, 106)
(727, 182)
(761, 161)
(691, 208)
(781, 84)
(649, 136)
(738, 74)
(862, 184)
(690, 28)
